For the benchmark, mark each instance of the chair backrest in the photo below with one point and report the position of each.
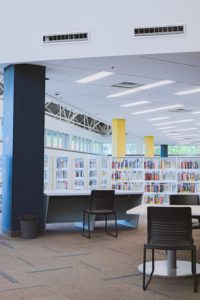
(102, 199)
(167, 225)
(184, 199)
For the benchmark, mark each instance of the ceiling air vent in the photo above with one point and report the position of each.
(159, 30)
(66, 37)
(127, 85)
(180, 110)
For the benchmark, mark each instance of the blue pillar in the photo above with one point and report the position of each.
(23, 145)
(164, 151)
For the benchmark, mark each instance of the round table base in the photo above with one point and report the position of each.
(183, 269)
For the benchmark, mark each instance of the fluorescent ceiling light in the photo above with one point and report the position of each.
(193, 134)
(95, 76)
(141, 88)
(195, 112)
(178, 130)
(135, 103)
(160, 118)
(174, 122)
(188, 92)
(177, 138)
(167, 127)
(156, 109)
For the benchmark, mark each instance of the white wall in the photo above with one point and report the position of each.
(110, 23)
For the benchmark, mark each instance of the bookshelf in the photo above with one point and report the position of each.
(160, 178)
(62, 173)
(127, 174)
(79, 174)
(93, 174)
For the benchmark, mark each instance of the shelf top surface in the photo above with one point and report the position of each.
(84, 192)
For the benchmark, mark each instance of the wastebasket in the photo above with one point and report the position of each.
(29, 226)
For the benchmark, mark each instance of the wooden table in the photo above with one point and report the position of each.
(169, 267)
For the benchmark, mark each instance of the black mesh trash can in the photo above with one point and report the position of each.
(29, 226)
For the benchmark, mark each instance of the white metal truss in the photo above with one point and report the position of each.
(70, 114)
(74, 116)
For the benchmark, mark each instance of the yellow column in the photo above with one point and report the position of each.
(148, 146)
(118, 137)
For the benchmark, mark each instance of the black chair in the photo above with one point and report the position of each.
(169, 228)
(187, 200)
(101, 203)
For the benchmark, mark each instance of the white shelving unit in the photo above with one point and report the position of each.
(0, 183)
(46, 173)
(188, 175)
(160, 177)
(127, 174)
(104, 174)
(62, 165)
(79, 174)
(93, 174)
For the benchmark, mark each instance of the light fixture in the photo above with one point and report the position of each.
(160, 118)
(94, 77)
(179, 130)
(195, 112)
(191, 134)
(156, 109)
(174, 122)
(188, 92)
(167, 127)
(135, 103)
(141, 88)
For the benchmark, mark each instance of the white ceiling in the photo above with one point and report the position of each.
(183, 69)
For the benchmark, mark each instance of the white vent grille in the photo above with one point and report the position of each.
(159, 30)
(66, 37)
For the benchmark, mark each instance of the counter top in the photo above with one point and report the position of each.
(85, 193)
(142, 209)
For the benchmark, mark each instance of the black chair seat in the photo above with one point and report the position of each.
(101, 203)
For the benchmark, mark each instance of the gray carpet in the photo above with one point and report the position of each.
(63, 264)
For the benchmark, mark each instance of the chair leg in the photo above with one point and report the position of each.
(88, 230)
(83, 228)
(145, 285)
(194, 268)
(116, 231)
(88, 225)
(106, 223)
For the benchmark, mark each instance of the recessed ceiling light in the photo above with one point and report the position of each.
(176, 138)
(142, 88)
(167, 127)
(135, 103)
(179, 130)
(191, 134)
(188, 92)
(95, 76)
(160, 118)
(173, 122)
(156, 109)
(195, 112)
